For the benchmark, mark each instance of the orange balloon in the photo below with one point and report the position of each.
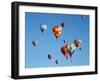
(57, 31)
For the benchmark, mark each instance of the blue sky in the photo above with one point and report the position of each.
(75, 27)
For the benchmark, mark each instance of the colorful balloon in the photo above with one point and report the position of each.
(77, 43)
(70, 48)
(57, 31)
(43, 27)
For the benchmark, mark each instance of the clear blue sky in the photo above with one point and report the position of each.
(75, 27)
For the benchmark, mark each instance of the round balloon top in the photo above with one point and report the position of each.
(70, 47)
(56, 61)
(49, 56)
(78, 41)
(62, 24)
(43, 27)
(57, 31)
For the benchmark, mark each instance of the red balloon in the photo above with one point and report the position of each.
(64, 51)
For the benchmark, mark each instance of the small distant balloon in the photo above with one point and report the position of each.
(49, 57)
(80, 48)
(64, 41)
(62, 25)
(77, 43)
(35, 42)
(83, 17)
(56, 62)
(64, 51)
(70, 48)
(43, 27)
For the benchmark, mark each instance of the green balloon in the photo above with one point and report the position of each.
(68, 47)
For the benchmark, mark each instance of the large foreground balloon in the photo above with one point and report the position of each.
(57, 31)
(43, 27)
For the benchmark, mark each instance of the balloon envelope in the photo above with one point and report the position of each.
(35, 42)
(49, 56)
(83, 17)
(77, 43)
(62, 25)
(56, 61)
(57, 31)
(64, 41)
(43, 27)
(70, 48)
(64, 51)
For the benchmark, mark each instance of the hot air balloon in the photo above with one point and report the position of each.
(62, 25)
(35, 42)
(80, 48)
(83, 17)
(64, 51)
(49, 57)
(78, 43)
(70, 48)
(64, 41)
(43, 27)
(56, 61)
(57, 31)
